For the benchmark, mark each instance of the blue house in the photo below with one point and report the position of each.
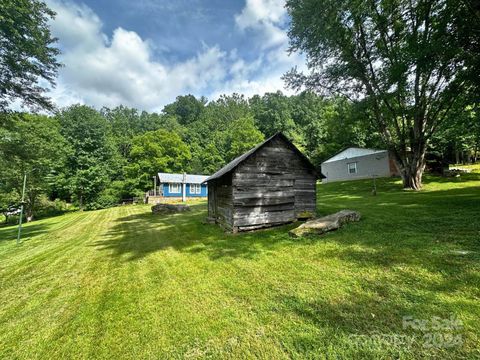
(180, 185)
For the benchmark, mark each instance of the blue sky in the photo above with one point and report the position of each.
(144, 53)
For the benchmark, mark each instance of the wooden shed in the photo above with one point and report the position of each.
(272, 184)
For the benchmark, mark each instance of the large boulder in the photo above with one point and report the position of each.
(326, 223)
(169, 208)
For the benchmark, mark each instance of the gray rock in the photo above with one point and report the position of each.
(169, 208)
(326, 223)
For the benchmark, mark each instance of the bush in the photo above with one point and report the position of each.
(47, 208)
(105, 200)
(111, 196)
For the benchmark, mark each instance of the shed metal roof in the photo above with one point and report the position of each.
(178, 178)
(238, 160)
(352, 152)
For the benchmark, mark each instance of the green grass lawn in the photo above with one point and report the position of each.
(122, 283)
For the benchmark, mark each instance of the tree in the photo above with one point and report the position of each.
(186, 108)
(123, 122)
(9, 202)
(210, 159)
(458, 137)
(209, 137)
(273, 113)
(27, 53)
(31, 145)
(241, 137)
(91, 161)
(153, 152)
(400, 58)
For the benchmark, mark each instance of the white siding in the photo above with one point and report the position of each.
(367, 166)
(353, 152)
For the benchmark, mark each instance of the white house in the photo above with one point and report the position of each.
(358, 163)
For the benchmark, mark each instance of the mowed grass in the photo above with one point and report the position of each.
(122, 283)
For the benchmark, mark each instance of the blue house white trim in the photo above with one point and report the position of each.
(174, 185)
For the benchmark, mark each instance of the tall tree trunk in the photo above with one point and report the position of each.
(457, 154)
(411, 166)
(412, 178)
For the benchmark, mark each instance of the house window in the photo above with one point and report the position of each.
(195, 189)
(174, 188)
(352, 168)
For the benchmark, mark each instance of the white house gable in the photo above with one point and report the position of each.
(353, 152)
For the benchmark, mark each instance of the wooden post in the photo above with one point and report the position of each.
(184, 187)
(154, 186)
(21, 208)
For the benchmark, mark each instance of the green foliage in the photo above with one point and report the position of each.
(27, 53)
(9, 201)
(209, 159)
(402, 59)
(47, 207)
(186, 109)
(225, 130)
(458, 137)
(273, 113)
(153, 152)
(241, 136)
(91, 158)
(31, 145)
(112, 155)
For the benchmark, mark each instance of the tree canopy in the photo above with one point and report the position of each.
(27, 53)
(30, 145)
(91, 158)
(402, 59)
(153, 152)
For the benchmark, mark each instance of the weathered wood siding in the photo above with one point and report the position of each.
(274, 186)
(220, 202)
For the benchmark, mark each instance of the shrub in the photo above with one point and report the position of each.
(47, 208)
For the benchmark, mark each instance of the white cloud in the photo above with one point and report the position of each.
(107, 72)
(262, 75)
(103, 70)
(264, 18)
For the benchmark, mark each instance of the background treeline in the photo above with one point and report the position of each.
(94, 159)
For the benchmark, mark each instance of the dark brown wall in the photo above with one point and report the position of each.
(220, 204)
(274, 186)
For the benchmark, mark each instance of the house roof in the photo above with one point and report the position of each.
(178, 178)
(352, 152)
(232, 165)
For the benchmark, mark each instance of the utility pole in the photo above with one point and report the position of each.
(21, 208)
(184, 187)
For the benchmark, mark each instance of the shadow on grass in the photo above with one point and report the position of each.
(396, 227)
(136, 236)
(39, 226)
(376, 313)
(408, 244)
(28, 231)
